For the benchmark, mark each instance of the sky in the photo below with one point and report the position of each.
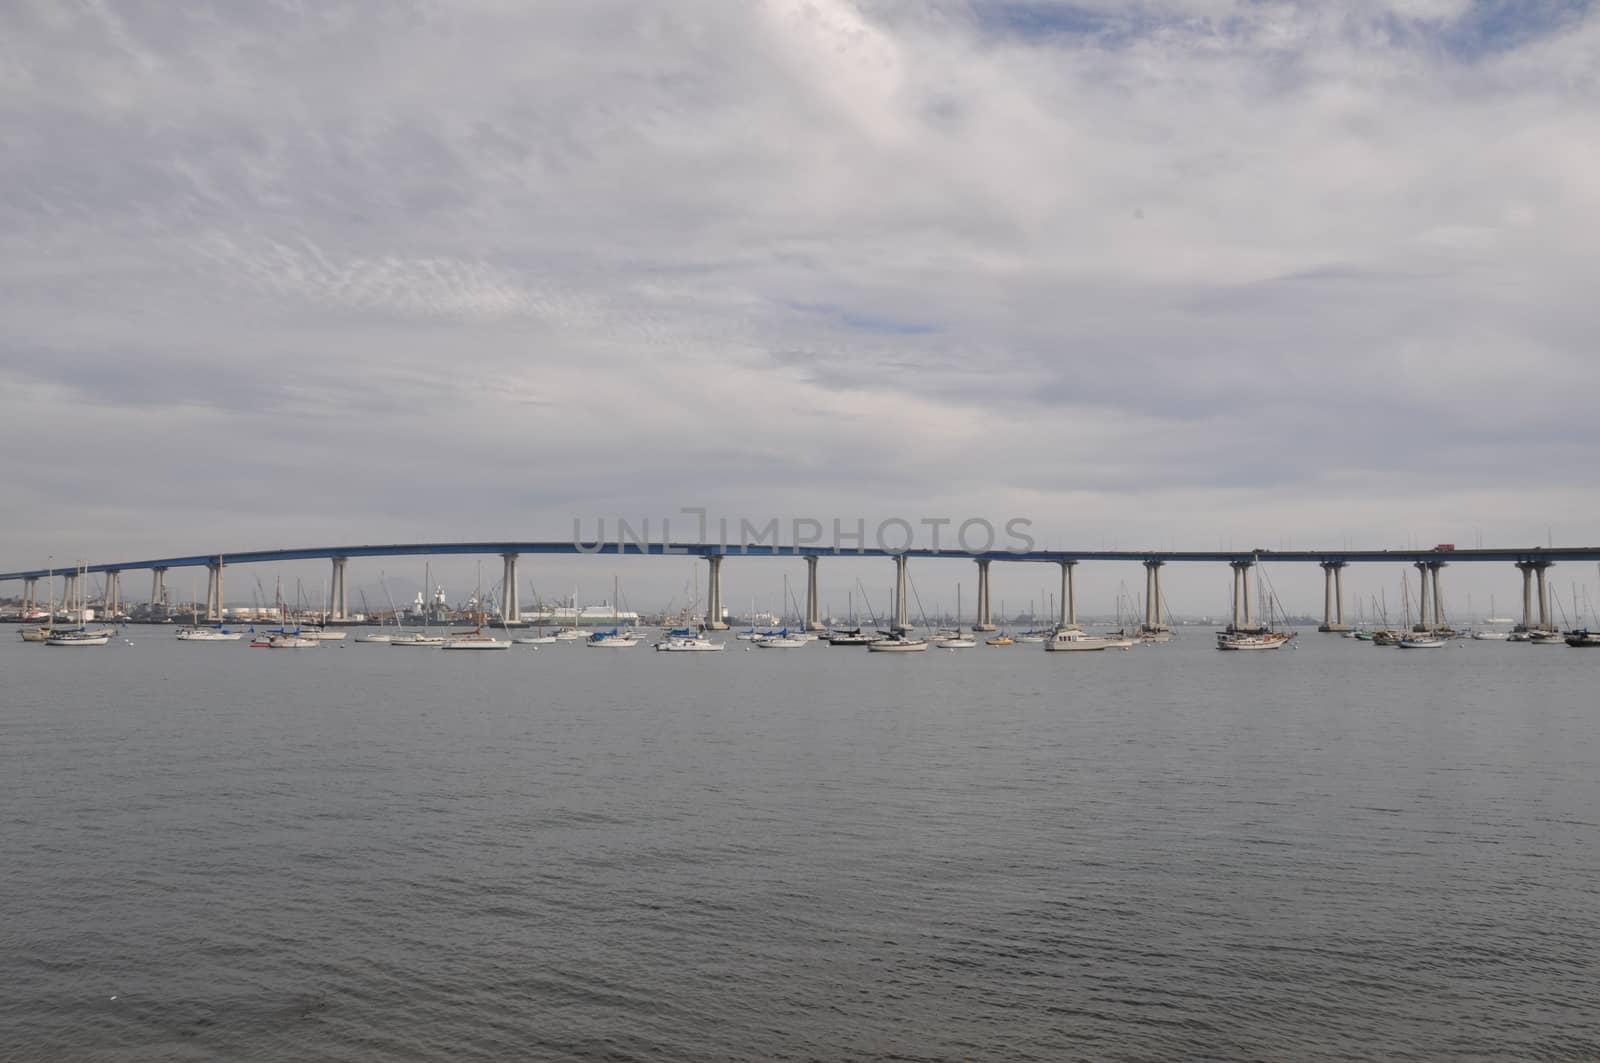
(1147, 273)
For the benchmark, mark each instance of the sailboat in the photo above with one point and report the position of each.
(424, 639)
(540, 639)
(194, 631)
(958, 639)
(1266, 638)
(615, 639)
(477, 638)
(82, 635)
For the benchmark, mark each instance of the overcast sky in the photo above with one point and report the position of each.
(1150, 273)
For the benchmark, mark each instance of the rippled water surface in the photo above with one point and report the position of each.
(1334, 852)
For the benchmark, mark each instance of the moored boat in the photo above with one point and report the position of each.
(417, 639)
(475, 640)
(1266, 640)
(78, 638)
(898, 643)
(687, 642)
(208, 634)
(1074, 640)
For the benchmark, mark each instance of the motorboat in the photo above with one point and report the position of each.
(898, 643)
(1070, 640)
(1266, 640)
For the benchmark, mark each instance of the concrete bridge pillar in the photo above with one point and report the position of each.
(714, 621)
(813, 595)
(337, 606)
(1438, 598)
(30, 596)
(1338, 594)
(902, 594)
(1526, 568)
(113, 602)
(214, 591)
(1243, 617)
(69, 592)
(985, 611)
(1152, 597)
(1424, 598)
(1071, 593)
(510, 599)
(158, 589)
(1539, 569)
(1333, 596)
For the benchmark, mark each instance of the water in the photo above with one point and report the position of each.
(348, 853)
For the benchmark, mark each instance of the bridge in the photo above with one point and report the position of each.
(1533, 563)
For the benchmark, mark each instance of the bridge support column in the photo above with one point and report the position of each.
(1539, 569)
(1152, 597)
(214, 591)
(985, 612)
(1424, 601)
(1438, 598)
(1243, 615)
(1069, 583)
(510, 599)
(1333, 597)
(714, 621)
(113, 602)
(1338, 595)
(337, 609)
(30, 597)
(813, 596)
(1526, 568)
(902, 594)
(158, 590)
(69, 593)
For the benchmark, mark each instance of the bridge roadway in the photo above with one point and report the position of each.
(1531, 562)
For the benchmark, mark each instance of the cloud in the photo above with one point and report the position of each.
(1113, 264)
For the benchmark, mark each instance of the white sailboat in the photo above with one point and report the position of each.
(82, 635)
(957, 639)
(194, 631)
(614, 639)
(897, 643)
